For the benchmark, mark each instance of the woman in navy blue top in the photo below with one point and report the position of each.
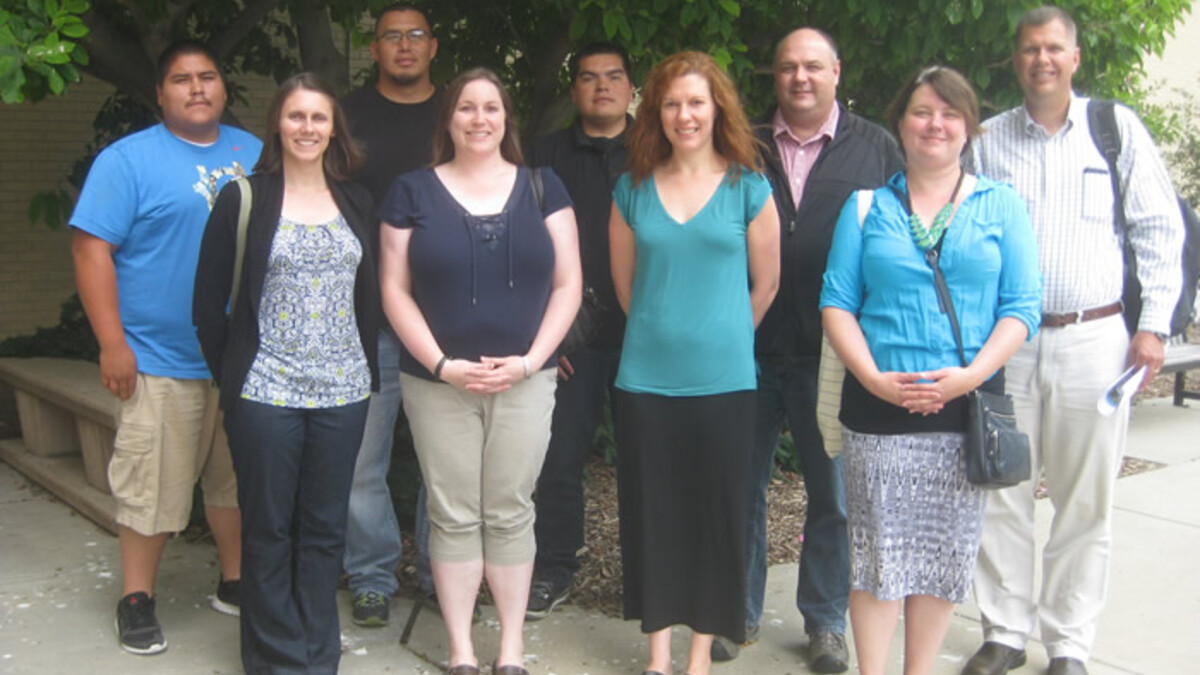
(914, 519)
(481, 279)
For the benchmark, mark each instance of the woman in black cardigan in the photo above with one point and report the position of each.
(296, 364)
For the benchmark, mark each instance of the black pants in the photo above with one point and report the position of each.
(294, 469)
(578, 411)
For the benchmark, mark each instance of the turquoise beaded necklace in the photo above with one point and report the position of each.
(928, 237)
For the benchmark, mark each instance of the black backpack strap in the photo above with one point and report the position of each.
(1102, 124)
(539, 189)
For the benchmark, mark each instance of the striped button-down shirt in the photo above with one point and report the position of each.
(1066, 185)
(798, 157)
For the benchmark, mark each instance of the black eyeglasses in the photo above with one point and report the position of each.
(395, 37)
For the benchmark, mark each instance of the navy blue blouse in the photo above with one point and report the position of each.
(482, 282)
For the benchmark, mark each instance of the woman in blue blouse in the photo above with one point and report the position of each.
(481, 280)
(295, 364)
(914, 519)
(691, 224)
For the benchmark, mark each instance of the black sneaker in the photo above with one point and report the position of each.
(370, 609)
(228, 598)
(544, 596)
(137, 628)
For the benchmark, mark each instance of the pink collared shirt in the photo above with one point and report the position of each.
(799, 156)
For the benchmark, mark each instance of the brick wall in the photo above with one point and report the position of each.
(38, 144)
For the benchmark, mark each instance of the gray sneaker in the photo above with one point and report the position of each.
(370, 609)
(827, 652)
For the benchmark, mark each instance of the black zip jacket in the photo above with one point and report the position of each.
(230, 344)
(862, 155)
(589, 168)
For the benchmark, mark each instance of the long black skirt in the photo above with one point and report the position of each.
(684, 495)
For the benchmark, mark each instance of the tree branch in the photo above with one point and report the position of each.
(119, 61)
(226, 42)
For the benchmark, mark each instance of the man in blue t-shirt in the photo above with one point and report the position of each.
(137, 230)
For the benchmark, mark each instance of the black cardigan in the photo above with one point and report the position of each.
(231, 343)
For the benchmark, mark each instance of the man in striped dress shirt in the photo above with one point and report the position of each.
(1044, 148)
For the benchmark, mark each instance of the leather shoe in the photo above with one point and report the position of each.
(1063, 665)
(994, 658)
(508, 670)
(463, 669)
(827, 652)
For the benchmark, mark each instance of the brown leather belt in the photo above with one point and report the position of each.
(1060, 320)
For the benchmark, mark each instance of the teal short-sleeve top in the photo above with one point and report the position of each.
(690, 330)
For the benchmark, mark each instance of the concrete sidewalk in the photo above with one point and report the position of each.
(60, 580)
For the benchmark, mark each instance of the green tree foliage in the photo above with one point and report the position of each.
(45, 44)
(39, 50)
(881, 41)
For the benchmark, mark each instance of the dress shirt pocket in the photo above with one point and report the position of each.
(1097, 194)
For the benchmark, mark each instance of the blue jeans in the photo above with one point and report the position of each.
(578, 411)
(372, 535)
(788, 388)
(294, 468)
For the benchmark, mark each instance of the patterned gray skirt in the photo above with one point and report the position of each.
(914, 518)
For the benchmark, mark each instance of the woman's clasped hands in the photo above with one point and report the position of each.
(923, 393)
(489, 375)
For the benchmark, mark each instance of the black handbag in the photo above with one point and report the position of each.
(588, 320)
(587, 323)
(997, 452)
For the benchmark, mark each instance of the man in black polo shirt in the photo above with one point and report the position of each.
(588, 157)
(394, 121)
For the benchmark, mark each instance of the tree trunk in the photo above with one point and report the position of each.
(318, 52)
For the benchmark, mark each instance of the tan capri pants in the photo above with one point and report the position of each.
(168, 436)
(480, 458)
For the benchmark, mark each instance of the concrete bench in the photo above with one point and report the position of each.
(63, 410)
(1182, 357)
(68, 422)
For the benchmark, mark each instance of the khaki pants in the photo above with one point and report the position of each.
(480, 457)
(1055, 381)
(168, 436)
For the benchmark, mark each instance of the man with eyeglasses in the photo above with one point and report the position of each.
(394, 121)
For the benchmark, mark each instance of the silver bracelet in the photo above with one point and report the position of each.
(525, 362)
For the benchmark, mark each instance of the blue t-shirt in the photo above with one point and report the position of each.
(481, 282)
(989, 258)
(690, 330)
(149, 195)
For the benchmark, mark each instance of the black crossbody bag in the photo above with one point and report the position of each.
(997, 452)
